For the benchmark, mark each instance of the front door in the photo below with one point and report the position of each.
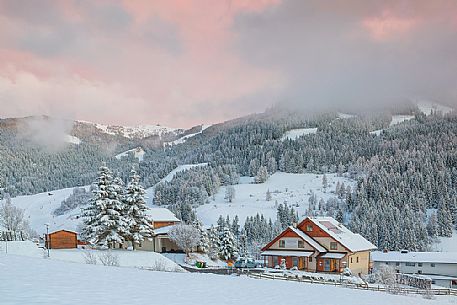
(301, 263)
(326, 265)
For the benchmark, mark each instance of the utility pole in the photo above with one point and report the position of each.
(46, 240)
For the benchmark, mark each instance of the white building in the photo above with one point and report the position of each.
(440, 267)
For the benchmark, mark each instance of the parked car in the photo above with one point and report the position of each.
(246, 262)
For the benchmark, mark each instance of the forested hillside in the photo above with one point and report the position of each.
(403, 171)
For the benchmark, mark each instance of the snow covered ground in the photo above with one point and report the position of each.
(137, 153)
(427, 108)
(342, 115)
(39, 210)
(447, 244)
(133, 259)
(72, 139)
(25, 280)
(186, 137)
(250, 199)
(294, 134)
(400, 118)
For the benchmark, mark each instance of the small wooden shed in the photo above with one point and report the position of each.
(62, 239)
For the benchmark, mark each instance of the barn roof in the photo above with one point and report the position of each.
(352, 241)
(73, 232)
(161, 214)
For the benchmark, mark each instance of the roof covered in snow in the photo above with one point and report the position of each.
(354, 242)
(163, 230)
(161, 214)
(308, 239)
(287, 253)
(415, 257)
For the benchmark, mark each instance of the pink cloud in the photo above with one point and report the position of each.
(388, 26)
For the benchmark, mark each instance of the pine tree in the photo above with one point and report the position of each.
(135, 211)
(213, 243)
(444, 220)
(268, 195)
(204, 244)
(262, 175)
(432, 226)
(227, 245)
(235, 228)
(104, 222)
(229, 193)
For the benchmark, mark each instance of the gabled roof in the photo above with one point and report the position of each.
(301, 235)
(308, 239)
(161, 214)
(68, 231)
(352, 241)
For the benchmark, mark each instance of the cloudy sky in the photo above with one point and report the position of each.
(183, 62)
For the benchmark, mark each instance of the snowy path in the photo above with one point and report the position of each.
(40, 281)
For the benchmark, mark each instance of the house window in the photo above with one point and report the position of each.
(310, 259)
(357, 259)
(397, 264)
(419, 264)
(282, 243)
(432, 265)
(419, 271)
(333, 245)
(309, 228)
(301, 244)
(411, 264)
(295, 261)
(386, 262)
(351, 260)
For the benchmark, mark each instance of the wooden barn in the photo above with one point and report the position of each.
(62, 239)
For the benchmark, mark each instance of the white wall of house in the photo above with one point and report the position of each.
(425, 268)
(291, 243)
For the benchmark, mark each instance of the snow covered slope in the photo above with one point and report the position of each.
(137, 153)
(400, 118)
(427, 108)
(186, 137)
(72, 139)
(250, 199)
(447, 244)
(137, 132)
(39, 210)
(42, 281)
(294, 134)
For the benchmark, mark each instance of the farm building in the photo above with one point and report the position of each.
(62, 239)
(440, 267)
(162, 221)
(320, 244)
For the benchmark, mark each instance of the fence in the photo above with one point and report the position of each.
(396, 290)
(12, 236)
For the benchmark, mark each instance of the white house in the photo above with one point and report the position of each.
(162, 221)
(440, 267)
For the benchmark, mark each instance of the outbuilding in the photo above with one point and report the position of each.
(62, 239)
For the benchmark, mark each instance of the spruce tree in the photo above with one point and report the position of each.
(135, 211)
(227, 245)
(105, 224)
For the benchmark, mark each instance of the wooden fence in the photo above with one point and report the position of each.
(394, 290)
(12, 236)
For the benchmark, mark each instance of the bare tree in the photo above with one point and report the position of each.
(11, 217)
(186, 237)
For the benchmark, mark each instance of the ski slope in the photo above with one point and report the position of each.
(294, 134)
(33, 281)
(39, 208)
(250, 199)
(138, 153)
(186, 137)
(428, 108)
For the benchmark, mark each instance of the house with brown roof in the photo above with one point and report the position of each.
(320, 244)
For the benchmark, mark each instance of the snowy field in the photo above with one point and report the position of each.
(183, 139)
(132, 259)
(400, 118)
(250, 199)
(447, 244)
(41, 281)
(428, 107)
(39, 210)
(296, 133)
(137, 153)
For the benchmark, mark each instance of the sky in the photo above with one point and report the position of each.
(181, 62)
